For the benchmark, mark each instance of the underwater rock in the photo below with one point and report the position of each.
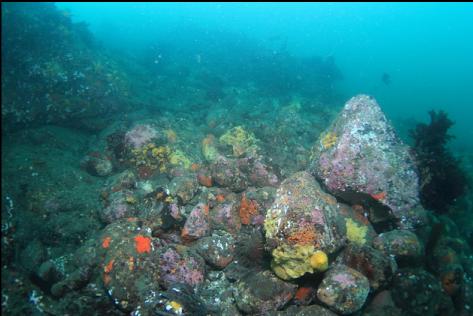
(218, 249)
(179, 265)
(209, 148)
(134, 265)
(217, 293)
(204, 177)
(140, 135)
(226, 173)
(129, 262)
(361, 159)
(373, 264)
(262, 292)
(184, 187)
(225, 217)
(197, 224)
(305, 311)
(242, 142)
(239, 173)
(97, 164)
(257, 173)
(403, 245)
(125, 180)
(418, 292)
(305, 224)
(63, 77)
(382, 305)
(120, 205)
(343, 290)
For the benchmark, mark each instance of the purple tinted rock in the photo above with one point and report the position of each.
(344, 290)
(258, 173)
(180, 267)
(119, 206)
(225, 173)
(304, 219)
(237, 174)
(197, 223)
(262, 292)
(225, 217)
(360, 156)
(401, 244)
(375, 265)
(140, 135)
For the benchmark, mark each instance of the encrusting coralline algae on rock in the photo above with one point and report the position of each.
(305, 225)
(361, 159)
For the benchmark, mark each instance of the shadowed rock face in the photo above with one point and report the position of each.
(360, 159)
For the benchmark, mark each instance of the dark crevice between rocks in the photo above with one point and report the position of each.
(379, 215)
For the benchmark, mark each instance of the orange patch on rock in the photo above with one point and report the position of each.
(195, 166)
(379, 196)
(142, 244)
(205, 180)
(109, 267)
(303, 293)
(185, 235)
(248, 209)
(220, 197)
(206, 209)
(106, 242)
(305, 235)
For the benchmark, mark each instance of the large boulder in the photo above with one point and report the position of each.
(360, 159)
(304, 225)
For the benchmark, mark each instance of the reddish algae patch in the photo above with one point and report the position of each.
(142, 244)
(106, 242)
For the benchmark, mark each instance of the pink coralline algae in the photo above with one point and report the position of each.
(176, 267)
(343, 290)
(117, 207)
(140, 135)
(360, 158)
(197, 223)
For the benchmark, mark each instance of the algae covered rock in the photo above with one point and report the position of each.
(262, 292)
(304, 225)
(129, 266)
(361, 159)
(344, 290)
(378, 267)
(402, 244)
(241, 141)
(418, 292)
(218, 249)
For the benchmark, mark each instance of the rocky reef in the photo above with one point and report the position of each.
(215, 196)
